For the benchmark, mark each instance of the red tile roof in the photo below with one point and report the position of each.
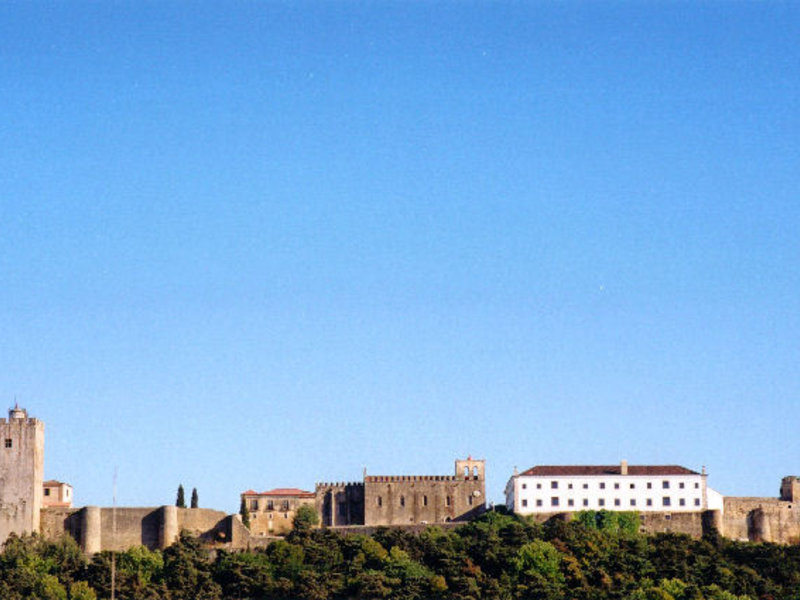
(581, 470)
(281, 492)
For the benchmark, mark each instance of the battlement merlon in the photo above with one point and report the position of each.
(337, 484)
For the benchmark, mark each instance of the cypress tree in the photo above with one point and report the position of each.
(180, 502)
(245, 513)
(194, 498)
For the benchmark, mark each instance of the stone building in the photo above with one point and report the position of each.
(272, 512)
(340, 504)
(385, 500)
(21, 473)
(56, 494)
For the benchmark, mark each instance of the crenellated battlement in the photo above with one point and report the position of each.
(325, 484)
(409, 478)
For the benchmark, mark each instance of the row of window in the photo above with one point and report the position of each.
(270, 505)
(664, 485)
(448, 501)
(269, 516)
(665, 501)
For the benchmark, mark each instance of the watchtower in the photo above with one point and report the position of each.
(790, 488)
(21, 473)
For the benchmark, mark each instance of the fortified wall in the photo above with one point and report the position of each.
(765, 519)
(97, 529)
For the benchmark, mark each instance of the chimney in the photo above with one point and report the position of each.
(623, 467)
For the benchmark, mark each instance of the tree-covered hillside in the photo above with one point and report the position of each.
(597, 556)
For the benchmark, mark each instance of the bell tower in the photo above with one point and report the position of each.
(471, 469)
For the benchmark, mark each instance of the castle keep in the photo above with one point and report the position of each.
(386, 500)
(21, 473)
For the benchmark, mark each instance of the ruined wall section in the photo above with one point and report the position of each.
(95, 530)
(761, 520)
(21, 473)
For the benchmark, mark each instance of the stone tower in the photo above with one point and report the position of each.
(21, 473)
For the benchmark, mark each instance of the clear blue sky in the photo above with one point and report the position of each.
(262, 244)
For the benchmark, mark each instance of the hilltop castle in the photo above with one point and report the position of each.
(668, 498)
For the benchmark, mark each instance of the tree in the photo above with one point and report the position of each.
(305, 519)
(245, 513)
(180, 502)
(194, 498)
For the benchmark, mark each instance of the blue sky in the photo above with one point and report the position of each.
(262, 244)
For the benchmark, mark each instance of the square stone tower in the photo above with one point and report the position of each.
(21, 473)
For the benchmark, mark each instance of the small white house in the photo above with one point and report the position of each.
(643, 488)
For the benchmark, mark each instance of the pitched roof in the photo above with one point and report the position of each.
(53, 482)
(281, 492)
(582, 470)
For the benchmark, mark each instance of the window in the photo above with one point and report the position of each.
(524, 486)
(9, 443)
(696, 485)
(617, 502)
(270, 516)
(379, 501)
(601, 502)
(470, 500)
(633, 501)
(554, 501)
(616, 486)
(649, 502)
(569, 486)
(665, 501)
(649, 485)
(682, 502)
(253, 504)
(697, 502)
(402, 500)
(270, 505)
(449, 500)
(553, 485)
(680, 485)
(602, 485)
(539, 502)
(586, 486)
(586, 502)
(46, 491)
(665, 485)
(285, 505)
(538, 486)
(524, 503)
(633, 486)
(570, 502)
(424, 501)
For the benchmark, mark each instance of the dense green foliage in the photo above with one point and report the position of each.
(594, 557)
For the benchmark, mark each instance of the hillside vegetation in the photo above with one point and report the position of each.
(597, 556)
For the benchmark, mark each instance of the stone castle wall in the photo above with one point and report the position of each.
(95, 530)
(761, 520)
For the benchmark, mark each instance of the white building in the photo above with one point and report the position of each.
(644, 488)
